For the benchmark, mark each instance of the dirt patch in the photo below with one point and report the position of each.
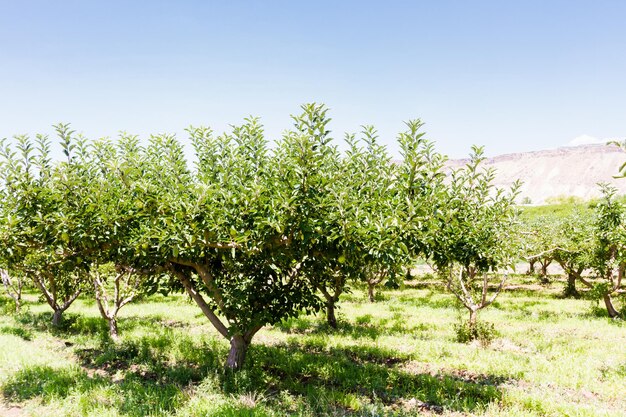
(10, 411)
(506, 345)
(414, 404)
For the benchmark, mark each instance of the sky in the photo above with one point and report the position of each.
(510, 75)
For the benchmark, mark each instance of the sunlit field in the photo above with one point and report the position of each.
(395, 357)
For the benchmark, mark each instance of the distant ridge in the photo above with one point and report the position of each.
(565, 171)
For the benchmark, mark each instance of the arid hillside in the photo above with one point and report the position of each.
(567, 171)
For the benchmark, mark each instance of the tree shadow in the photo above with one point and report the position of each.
(142, 374)
(318, 327)
(379, 375)
(364, 327)
(146, 376)
(598, 311)
(132, 396)
(46, 382)
(150, 358)
(20, 332)
(77, 324)
(71, 324)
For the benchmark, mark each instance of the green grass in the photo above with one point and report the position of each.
(396, 357)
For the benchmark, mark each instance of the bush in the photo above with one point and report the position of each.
(484, 332)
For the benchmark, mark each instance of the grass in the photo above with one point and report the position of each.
(396, 357)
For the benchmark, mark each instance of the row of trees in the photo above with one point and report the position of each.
(254, 232)
(588, 244)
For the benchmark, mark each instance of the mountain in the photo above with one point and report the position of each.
(568, 171)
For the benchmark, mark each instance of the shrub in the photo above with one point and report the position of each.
(482, 331)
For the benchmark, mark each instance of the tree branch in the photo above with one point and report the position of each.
(47, 295)
(69, 301)
(197, 297)
(498, 290)
(207, 279)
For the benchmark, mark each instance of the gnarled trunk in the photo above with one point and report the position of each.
(609, 306)
(112, 322)
(570, 287)
(370, 291)
(57, 317)
(408, 275)
(125, 288)
(51, 295)
(331, 301)
(372, 281)
(331, 319)
(544, 271)
(240, 341)
(237, 353)
(473, 317)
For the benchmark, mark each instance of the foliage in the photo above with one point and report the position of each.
(362, 230)
(473, 234)
(574, 247)
(249, 229)
(540, 242)
(609, 251)
(376, 251)
(475, 227)
(237, 231)
(421, 179)
(47, 228)
(481, 331)
(622, 146)
(244, 232)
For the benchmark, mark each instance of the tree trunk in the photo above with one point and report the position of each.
(370, 291)
(18, 302)
(473, 318)
(112, 322)
(57, 317)
(609, 306)
(331, 319)
(570, 288)
(13, 287)
(543, 272)
(237, 354)
(531, 267)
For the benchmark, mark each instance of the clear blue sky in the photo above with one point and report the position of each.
(510, 75)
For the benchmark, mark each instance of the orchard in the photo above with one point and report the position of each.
(258, 234)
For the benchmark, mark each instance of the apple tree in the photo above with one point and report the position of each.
(574, 241)
(234, 231)
(609, 251)
(472, 236)
(45, 227)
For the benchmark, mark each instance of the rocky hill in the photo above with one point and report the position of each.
(567, 171)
